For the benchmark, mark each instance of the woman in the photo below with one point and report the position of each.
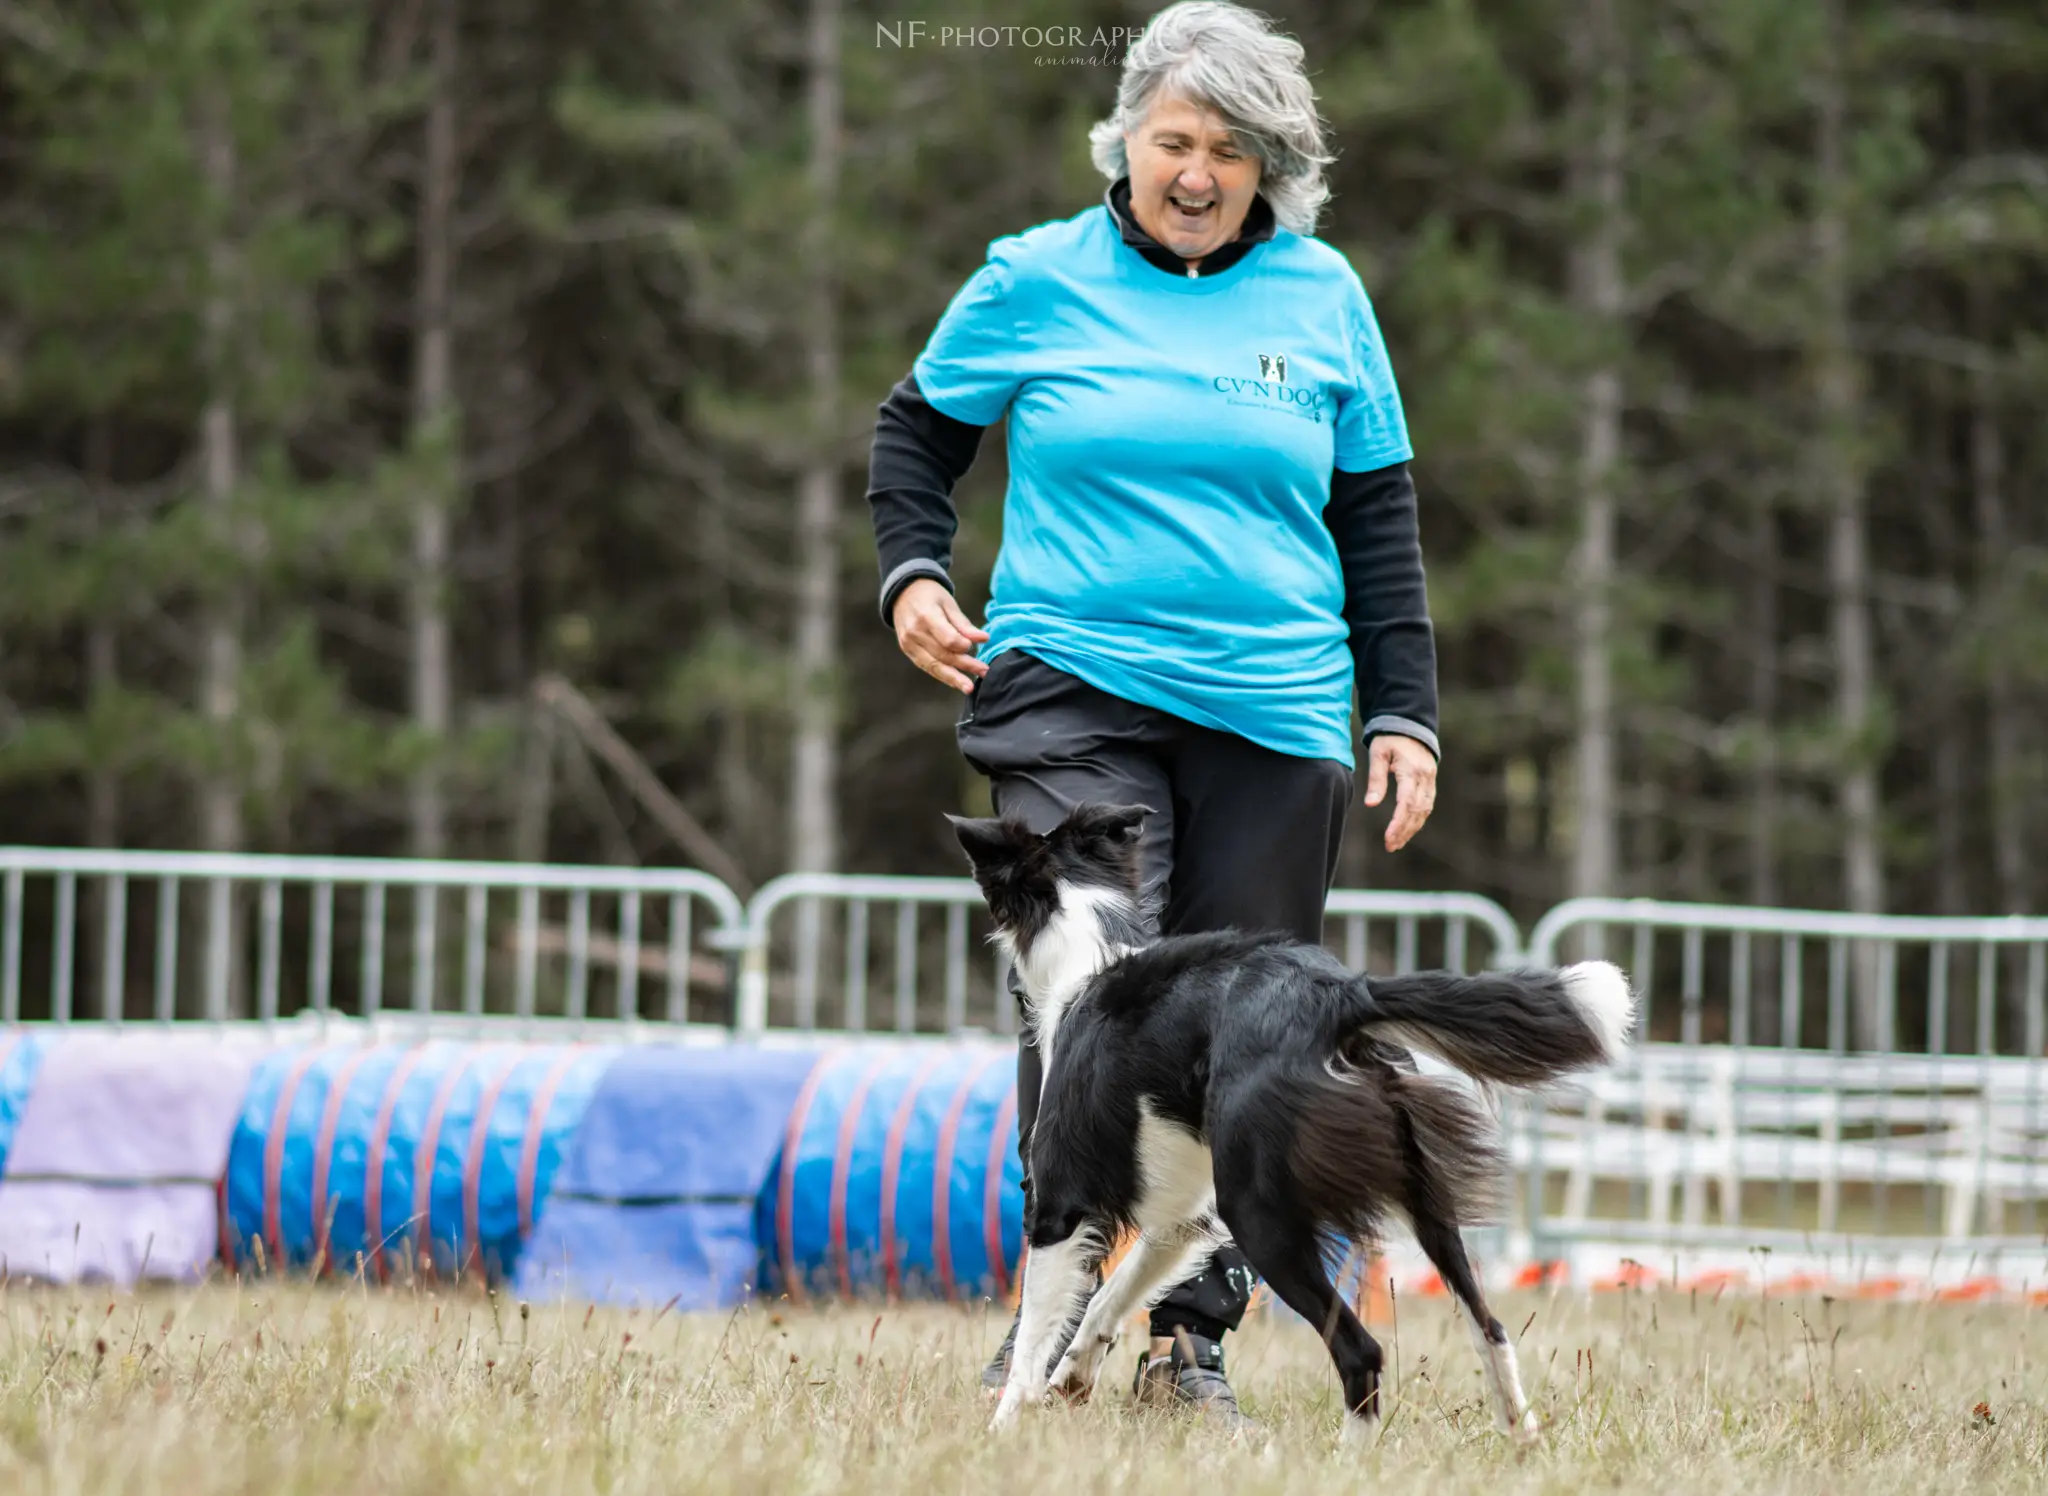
(1209, 537)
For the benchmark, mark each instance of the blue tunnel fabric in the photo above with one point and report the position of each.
(343, 1103)
(927, 1108)
(650, 1175)
(657, 1198)
(21, 1056)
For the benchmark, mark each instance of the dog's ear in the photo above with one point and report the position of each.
(1115, 824)
(1010, 868)
(1125, 822)
(989, 843)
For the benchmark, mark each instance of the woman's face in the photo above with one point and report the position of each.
(1192, 181)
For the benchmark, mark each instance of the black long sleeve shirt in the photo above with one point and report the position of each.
(920, 453)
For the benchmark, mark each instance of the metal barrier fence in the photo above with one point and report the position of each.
(170, 936)
(1825, 1077)
(853, 950)
(1396, 933)
(1803, 1078)
(840, 960)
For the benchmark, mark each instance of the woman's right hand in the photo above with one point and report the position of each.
(935, 634)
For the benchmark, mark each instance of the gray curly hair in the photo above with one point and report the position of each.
(1224, 57)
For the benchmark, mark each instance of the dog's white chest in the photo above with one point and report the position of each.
(1176, 1174)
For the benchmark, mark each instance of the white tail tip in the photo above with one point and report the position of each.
(1602, 993)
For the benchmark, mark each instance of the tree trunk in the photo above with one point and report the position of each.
(1598, 294)
(1839, 481)
(2009, 827)
(102, 674)
(220, 799)
(102, 666)
(102, 787)
(1763, 704)
(427, 809)
(814, 749)
(2005, 749)
(102, 793)
(1951, 796)
(742, 794)
(536, 784)
(221, 827)
(1765, 793)
(509, 599)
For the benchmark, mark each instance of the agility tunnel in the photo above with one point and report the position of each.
(655, 1174)
(898, 1176)
(428, 1158)
(657, 1199)
(697, 1176)
(115, 1150)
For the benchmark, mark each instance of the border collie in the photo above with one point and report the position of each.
(1231, 1086)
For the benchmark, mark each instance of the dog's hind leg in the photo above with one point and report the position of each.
(1511, 1411)
(1285, 1249)
(1156, 1259)
(1056, 1275)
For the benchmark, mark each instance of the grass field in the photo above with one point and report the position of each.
(280, 1389)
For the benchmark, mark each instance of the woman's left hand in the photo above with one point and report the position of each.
(1414, 769)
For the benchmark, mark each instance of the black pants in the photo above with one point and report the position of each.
(1242, 837)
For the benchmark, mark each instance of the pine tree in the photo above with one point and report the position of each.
(182, 154)
(360, 369)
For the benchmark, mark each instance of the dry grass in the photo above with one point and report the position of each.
(278, 1389)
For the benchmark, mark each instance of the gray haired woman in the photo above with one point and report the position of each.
(1209, 535)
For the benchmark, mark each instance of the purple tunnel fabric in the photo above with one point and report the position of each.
(115, 1166)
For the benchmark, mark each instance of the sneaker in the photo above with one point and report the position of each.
(1188, 1374)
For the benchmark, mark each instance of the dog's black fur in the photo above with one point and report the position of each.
(1272, 1054)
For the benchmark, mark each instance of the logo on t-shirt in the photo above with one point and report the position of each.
(1271, 391)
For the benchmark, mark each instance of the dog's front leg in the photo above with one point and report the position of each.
(1056, 1275)
(1156, 1259)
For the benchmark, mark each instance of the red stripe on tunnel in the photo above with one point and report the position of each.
(942, 1175)
(473, 1165)
(992, 1191)
(536, 1130)
(892, 1168)
(785, 1190)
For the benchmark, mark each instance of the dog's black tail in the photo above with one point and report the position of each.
(1510, 1028)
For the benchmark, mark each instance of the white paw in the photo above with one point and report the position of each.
(1525, 1433)
(1359, 1432)
(1006, 1412)
(1072, 1380)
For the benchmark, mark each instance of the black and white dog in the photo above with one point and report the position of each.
(1204, 1085)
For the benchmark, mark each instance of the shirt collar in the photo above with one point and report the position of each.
(1257, 228)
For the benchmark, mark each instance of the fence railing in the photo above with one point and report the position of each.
(1822, 1076)
(170, 936)
(1800, 1076)
(1397, 933)
(1816, 979)
(852, 953)
(856, 949)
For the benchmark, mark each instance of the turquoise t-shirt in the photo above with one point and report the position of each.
(1170, 441)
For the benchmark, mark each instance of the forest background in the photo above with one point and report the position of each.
(423, 422)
